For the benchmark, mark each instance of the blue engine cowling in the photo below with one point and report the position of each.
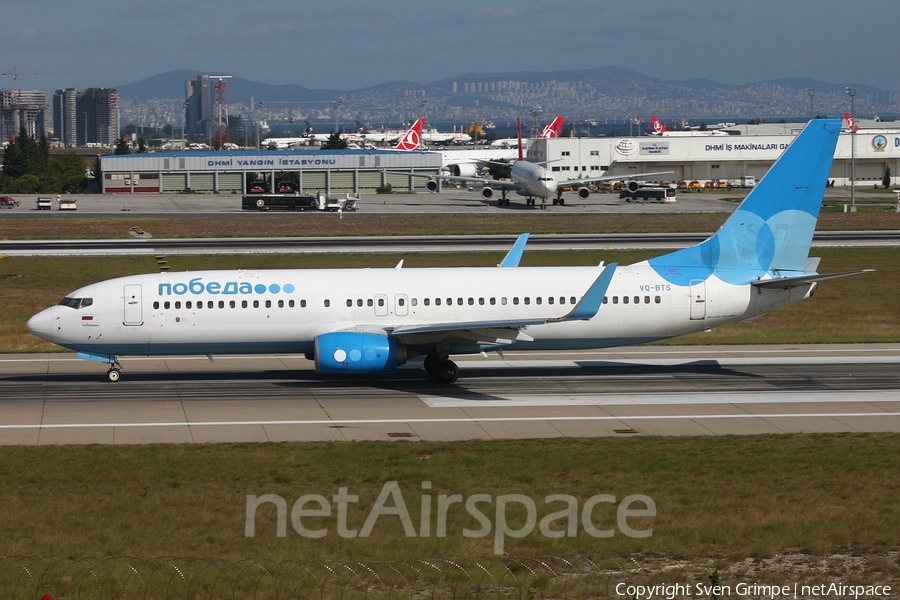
(358, 353)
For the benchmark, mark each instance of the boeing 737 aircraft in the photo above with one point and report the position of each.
(370, 321)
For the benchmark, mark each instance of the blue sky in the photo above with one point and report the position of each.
(347, 44)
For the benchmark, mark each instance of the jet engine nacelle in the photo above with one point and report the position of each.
(463, 170)
(431, 185)
(487, 193)
(583, 193)
(632, 186)
(357, 353)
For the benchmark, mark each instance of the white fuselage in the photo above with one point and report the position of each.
(534, 181)
(219, 312)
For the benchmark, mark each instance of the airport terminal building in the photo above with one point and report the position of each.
(329, 171)
(706, 158)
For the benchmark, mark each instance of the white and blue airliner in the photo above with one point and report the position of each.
(371, 321)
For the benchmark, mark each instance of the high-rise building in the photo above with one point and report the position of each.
(199, 104)
(65, 116)
(22, 108)
(83, 117)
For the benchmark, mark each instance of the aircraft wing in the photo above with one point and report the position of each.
(505, 331)
(582, 181)
(496, 183)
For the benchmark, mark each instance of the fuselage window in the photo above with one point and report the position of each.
(615, 299)
(290, 304)
(437, 301)
(637, 299)
(401, 302)
(232, 304)
(459, 301)
(503, 300)
(256, 304)
(359, 302)
(268, 304)
(381, 302)
(493, 301)
(281, 304)
(516, 300)
(199, 304)
(188, 305)
(624, 299)
(427, 301)
(167, 305)
(481, 301)
(527, 300)
(209, 304)
(657, 299)
(370, 302)
(156, 306)
(414, 302)
(572, 300)
(562, 299)
(303, 304)
(471, 301)
(605, 299)
(550, 300)
(646, 299)
(221, 304)
(178, 304)
(244, 303)
(538, 300)
(327, 303)
(349, 302)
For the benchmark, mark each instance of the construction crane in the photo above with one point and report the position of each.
(15, 75)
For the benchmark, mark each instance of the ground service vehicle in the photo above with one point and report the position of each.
(44, 204)
(652, 193)
(68, 204)
(8, 202)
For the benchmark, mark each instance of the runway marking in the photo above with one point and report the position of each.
(454, 420)
(653, 399)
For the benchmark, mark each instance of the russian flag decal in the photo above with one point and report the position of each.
(87, 317)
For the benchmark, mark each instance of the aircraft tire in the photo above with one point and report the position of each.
(562, 201)
(113, 375)
(447, 371)
(431, 364)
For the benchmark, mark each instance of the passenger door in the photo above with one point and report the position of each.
(133, 311)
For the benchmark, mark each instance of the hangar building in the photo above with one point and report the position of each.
(230, 172)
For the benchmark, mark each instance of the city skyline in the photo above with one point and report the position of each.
(351, 44)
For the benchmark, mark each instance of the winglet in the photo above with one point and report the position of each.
(590, 303)
(514, 255)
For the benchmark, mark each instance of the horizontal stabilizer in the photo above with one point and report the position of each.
(789, 282)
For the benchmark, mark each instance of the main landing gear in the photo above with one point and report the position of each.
(559, 200)
(442, 369)
(503, 200)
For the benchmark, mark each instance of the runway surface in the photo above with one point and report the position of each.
(56, 399)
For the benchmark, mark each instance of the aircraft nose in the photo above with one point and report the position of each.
(41, 324)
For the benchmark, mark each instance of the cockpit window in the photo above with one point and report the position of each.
(76, 302)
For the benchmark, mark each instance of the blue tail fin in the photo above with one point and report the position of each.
(772, 229)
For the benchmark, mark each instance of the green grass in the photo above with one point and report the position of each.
(715, 496)
(492, 221)
(847, 310)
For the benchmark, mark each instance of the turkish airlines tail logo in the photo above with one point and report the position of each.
(851, 123)
(413, 137)
(657, 126)
(553, 129)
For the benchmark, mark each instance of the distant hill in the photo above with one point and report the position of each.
(171, 84)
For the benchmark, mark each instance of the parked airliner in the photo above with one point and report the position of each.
(532, 180)
(371, 321)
